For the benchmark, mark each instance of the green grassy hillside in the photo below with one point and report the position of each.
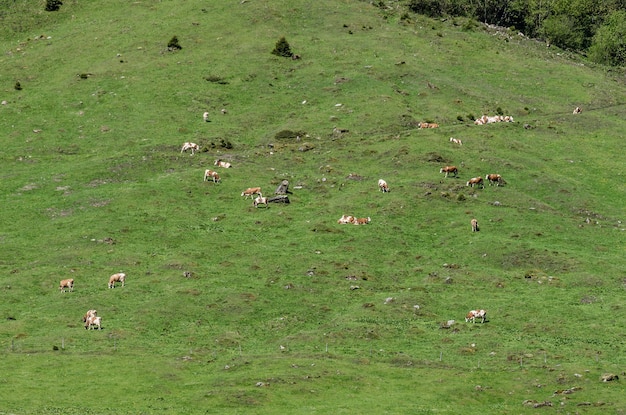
(284, 310)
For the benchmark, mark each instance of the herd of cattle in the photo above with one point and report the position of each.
(93, 321)
(212, 175)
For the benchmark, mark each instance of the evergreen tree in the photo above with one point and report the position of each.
(282, 48)
(53, 5)
(173, 44)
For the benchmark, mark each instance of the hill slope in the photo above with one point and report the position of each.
(284, 310)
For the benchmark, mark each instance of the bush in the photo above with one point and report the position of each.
(564, 32)
(608, 46)
(53, 5)
(282, 48)
(430, 8)
(17, 86)
(173, 44)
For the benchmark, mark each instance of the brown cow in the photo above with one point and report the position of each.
(251, 191)
(474, 314)
(476, 181)
(213, 175)
(68, 283)
(119, 277)
(494, 179)
(449, 169)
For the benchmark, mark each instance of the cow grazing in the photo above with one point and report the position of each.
(205, 117)
(476, 181)
(577, 110)
(362, 221)
(260, 200)
(89, 314)
(456, 141)
(344, 219)
(474, 314)
(428, 125)
(119, 277)
(494, 179)
(93, 321)
(220, 163)
(383, 186)
(251, 191)
(190, 146)
(69, 284)
(474, 225)
(213, 175)
(449, 169)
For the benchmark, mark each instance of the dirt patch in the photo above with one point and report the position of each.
(533, 259)
(28, 187)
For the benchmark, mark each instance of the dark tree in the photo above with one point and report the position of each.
(53, 5)
(18, 86)
(282, 48)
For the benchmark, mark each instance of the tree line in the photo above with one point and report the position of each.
(596, 28)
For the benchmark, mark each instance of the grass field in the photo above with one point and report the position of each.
(286, 311)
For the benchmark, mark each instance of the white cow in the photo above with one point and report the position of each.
(93, 321)
(344, 219)
(260, 200)
(474, 314)
(383, 186)
(89, 314)
(119, 277)
(220, 163)
(474, 225)
(190, 146)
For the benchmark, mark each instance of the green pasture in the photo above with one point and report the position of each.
(283, 310)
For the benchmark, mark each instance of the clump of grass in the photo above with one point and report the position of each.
(288, 135)
(216, 79)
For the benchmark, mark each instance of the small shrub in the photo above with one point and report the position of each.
(173, 44)
(499, 111)
(460, 118)
(226, 144)
(53, 5)
(471, 117)
(282, 48)
(470, 25)
(18, 86)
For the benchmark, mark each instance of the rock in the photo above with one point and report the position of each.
(609, 377)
